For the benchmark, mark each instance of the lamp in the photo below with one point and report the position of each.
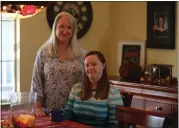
(22, 9)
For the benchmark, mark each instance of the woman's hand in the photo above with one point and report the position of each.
(40, 112)
(155, 27)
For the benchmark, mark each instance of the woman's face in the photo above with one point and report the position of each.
(64, 30)
(161, 21)
(93, 68)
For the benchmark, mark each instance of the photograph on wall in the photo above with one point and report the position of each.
(161, 24)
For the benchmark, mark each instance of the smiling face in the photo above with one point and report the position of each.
(64, 30)
(161, 22)
(93, 68)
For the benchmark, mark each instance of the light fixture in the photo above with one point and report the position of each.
(22, 9)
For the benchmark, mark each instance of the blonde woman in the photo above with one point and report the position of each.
(59, 65)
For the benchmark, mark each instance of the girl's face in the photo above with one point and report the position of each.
(64, 30)
(93, 68)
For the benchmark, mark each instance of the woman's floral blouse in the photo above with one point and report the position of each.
(53, 79)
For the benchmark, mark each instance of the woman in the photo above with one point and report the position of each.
(160, 30)
(93, 102)
(58, 66)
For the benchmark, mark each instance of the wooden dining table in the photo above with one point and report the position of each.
(45, 122)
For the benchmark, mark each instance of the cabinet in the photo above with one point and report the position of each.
(175, 108)
(158, 107)
(158, 99)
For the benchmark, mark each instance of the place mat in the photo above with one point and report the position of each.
(45, 122)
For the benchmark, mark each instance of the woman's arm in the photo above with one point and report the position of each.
(74, 91)
(37, 83)
(114, 99)
(70, 104)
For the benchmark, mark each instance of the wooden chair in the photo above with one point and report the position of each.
(127, 98)
(128, 115)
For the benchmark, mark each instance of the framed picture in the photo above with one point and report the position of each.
(131, 52)
(161, 24)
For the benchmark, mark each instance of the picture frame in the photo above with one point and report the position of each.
(161, 24)
(131, 51)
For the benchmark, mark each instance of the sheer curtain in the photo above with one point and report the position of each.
(7, 56)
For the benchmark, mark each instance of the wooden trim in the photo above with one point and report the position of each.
(149, 97)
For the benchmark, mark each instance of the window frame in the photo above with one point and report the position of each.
(13, 60)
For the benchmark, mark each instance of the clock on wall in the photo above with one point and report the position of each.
(81, 11)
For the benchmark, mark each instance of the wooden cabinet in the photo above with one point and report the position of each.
(175, 108)
(138, 102)
(151, 98)
(158, 107)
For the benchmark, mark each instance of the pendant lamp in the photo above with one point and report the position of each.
(22, 9)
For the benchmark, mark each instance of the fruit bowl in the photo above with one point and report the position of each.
(23, 121)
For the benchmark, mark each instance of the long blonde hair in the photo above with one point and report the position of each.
(50, 48)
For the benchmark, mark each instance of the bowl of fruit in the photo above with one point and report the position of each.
(23, 121)
(22, 106)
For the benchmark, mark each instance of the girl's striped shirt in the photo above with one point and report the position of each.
(93, 112)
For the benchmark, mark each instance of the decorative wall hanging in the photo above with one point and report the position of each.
(131, 52)
(22, 9)
(161, 24)
(81, 10)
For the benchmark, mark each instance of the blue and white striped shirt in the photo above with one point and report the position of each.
(93, 112)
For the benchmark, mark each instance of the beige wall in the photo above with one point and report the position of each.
(112, 21)
(34, 32)
(128, 22)
(97, 37)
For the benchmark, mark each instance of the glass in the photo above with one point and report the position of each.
(23, 110)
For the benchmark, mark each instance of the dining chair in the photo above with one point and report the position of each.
(127, 98)
(137, 117)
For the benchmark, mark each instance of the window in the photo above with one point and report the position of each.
(8, 55)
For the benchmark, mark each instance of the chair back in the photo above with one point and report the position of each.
(127, 98)
(139, 117)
